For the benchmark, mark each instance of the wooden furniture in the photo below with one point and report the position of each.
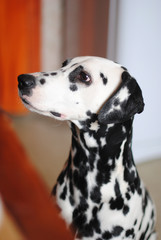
(24, 194)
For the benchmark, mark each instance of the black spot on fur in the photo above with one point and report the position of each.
(42, 81)
(130, 232)
(71, 200)
(125, 209)
(96, 225)
(104, 79)
(135, 222)
(73, 87)
(79, 219)
(94, 211)
(71, 184)
(100, 207)
(124, 68)
(80, 182)
(116, 203)
(53, 73)
(54, 190)
(66, 62)
(63, 194)
(74, 64)
(46, 74)
(141, 224)
(117, 188)
(88, 229)
(106, 235)
(116, 102)
(129, 176)
(89, 113)
(83, 204)
(152, 214)
(86, 124)
(62, 175)
(128, 196)
(74, 133)
(117, 231)
(145, 201)
(96, 195)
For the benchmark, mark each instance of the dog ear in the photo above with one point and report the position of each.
(124, 103)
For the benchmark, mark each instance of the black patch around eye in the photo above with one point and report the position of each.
(74, 73)
(104, 79)
(73, 87)
(66, 62)
(79, 75)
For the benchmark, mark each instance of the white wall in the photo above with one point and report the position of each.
(135, 41)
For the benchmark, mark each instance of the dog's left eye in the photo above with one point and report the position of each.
(84, 77)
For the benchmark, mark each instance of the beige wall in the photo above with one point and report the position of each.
(51, 34)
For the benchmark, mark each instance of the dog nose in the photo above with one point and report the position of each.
(25, 83)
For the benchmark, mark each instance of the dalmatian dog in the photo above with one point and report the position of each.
(99, 191)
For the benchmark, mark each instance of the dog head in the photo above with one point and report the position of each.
(83, 85)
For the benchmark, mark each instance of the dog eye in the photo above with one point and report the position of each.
(84, 77)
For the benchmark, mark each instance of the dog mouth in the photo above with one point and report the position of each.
(29, 105)
(25, 101)
(56, 114)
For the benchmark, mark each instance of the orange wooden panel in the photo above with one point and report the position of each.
(23, 192)
(19, 47)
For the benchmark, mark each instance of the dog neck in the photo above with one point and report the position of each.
(106, 141)
(105, 150)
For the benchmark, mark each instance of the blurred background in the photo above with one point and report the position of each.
(37, 35)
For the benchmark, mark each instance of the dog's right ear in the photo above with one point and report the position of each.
(124, 103)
